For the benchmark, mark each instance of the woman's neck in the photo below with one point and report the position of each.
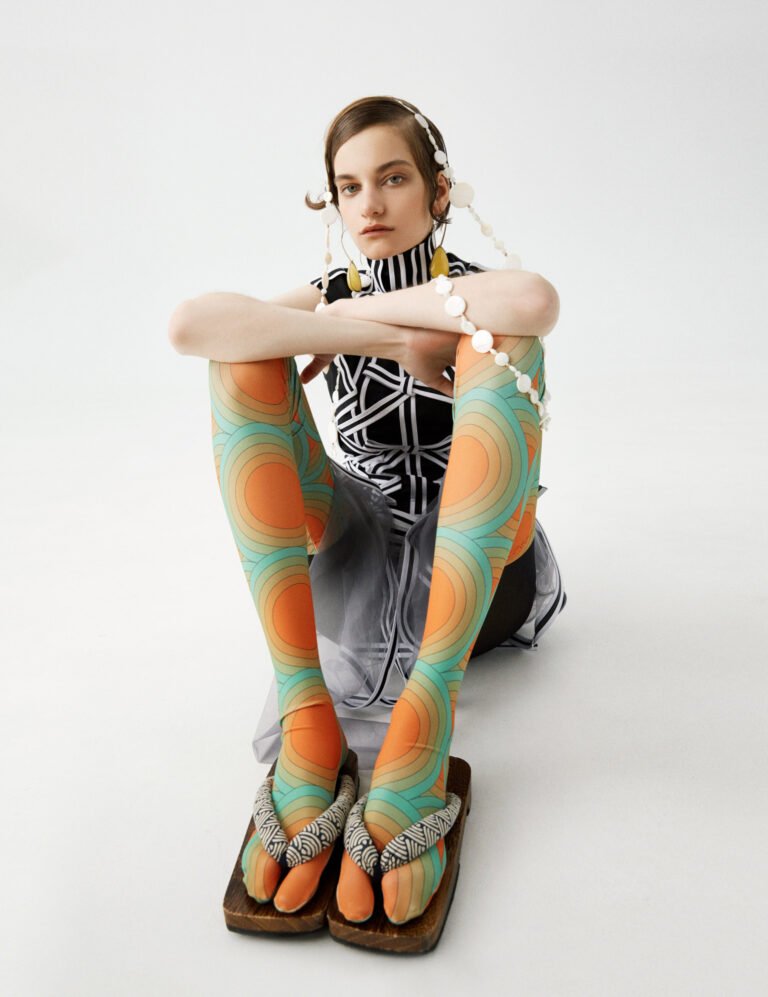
(407, 269)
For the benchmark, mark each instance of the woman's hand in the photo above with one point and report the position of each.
(320, 361)
(316, 366)
(426, 353)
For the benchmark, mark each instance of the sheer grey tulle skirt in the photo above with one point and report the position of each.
(370, 589)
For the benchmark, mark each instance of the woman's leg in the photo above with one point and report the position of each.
(486, 520)
(512, 601)
(277, 486)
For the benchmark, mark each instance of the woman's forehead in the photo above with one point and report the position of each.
(371, 149)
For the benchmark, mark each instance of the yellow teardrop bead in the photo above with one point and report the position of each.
(439, 264)
(353, 278)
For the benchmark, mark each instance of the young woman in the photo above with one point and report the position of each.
(421, 532)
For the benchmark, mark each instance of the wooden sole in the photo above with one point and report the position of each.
(423, 933)
(242, 913)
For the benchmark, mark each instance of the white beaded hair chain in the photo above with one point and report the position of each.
(461, 196)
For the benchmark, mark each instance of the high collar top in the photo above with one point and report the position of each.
(401, 270)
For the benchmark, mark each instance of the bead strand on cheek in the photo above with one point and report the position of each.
(461, 196)
(329, 215)
(482, 342)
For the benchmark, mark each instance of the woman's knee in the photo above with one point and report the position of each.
(523, 352)
(267, 381)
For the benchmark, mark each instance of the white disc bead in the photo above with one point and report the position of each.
(329, 214)
(482, 341)
(455, 305)
(462, 195)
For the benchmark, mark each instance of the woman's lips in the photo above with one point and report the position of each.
(378, 231)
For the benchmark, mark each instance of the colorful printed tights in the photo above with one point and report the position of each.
(277, 487)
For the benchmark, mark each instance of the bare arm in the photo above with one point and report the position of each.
(506, 302)
(235, 328)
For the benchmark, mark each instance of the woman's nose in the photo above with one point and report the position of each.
(372, 202)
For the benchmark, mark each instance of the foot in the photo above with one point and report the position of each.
(312, 752)
(408, 783)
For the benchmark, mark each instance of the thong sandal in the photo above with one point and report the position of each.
(422, 933)
(241, 911)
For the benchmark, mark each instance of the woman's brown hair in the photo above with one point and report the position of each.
(369, 111)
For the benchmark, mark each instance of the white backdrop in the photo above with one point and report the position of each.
(155, 151)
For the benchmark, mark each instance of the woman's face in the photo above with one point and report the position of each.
(394, 197)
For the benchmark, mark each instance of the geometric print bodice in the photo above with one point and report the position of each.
(393, 430)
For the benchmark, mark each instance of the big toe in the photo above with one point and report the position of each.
(402, 902)
(261, 873)
(354, 892)
(300, 883)
(407, 891)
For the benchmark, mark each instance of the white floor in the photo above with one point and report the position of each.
(616, 843)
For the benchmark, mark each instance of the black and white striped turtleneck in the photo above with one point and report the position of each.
(393, 430)
(403, 269)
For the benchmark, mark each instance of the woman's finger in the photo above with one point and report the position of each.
(444, 385)
(313, 368)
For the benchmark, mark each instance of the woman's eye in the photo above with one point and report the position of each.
(395, 176)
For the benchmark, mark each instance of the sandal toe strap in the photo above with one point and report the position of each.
(404, 847)
(311, 839)
(324, 829)
(358, 841)
(416, 839)
(273, 838)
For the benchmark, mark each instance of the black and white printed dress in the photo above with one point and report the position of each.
(370, 579)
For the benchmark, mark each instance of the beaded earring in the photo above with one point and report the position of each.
(461, 196)
(329, 215)
(356, 281)
(438, 265)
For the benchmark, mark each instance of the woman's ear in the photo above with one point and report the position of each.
(443, 192)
